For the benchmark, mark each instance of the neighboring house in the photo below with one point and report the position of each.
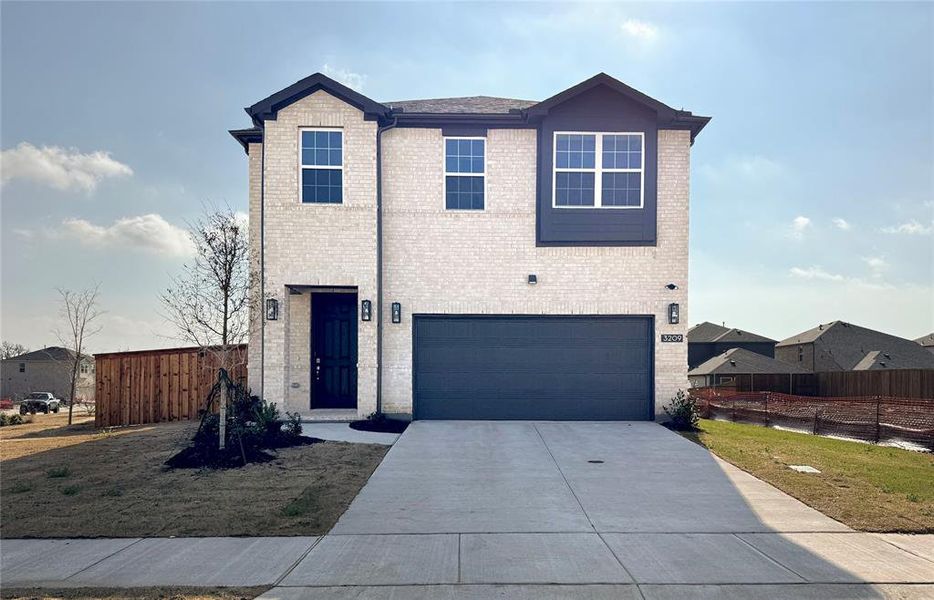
(839, 346)
(470, 257)
(46, 370)
(724, 368)
(708, 340)
(927, 341)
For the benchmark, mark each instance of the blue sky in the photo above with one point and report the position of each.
(812, 188)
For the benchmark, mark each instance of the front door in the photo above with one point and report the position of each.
(334, 350)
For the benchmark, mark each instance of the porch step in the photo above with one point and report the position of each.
(330, 415)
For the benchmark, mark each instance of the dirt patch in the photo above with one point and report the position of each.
(116, 485)
(151, 593)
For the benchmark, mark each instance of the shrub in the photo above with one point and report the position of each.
(14, 419)
(293, 424)
(253, 425)
(683, 412)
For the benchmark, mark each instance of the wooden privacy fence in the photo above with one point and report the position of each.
(152, 386)
(897, 383)
(868, 418)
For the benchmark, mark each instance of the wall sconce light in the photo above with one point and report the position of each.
(672, 286)
(366, 310)
(396, 312)
(673, 315)
(272, 309)
(533, 279)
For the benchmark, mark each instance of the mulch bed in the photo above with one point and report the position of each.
(380, 425)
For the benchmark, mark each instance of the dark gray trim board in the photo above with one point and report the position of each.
(538, 367)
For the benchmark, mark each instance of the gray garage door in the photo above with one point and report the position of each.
(532, 367)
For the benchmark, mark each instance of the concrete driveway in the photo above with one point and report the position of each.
(587, 510)
(477, 510)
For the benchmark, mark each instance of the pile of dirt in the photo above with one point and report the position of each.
(202, 457)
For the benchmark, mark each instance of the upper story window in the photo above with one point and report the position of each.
(464, 173)
(598, 170)
(84, 368)
(322, 165)
(22, 367)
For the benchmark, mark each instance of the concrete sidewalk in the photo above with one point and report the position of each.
(526, 510)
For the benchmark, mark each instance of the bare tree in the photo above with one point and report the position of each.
(209, 301)
(9, 350)
(79, 311)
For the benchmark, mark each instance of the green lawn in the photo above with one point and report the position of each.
(870, 488)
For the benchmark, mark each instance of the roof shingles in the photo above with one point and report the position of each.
(461, 105)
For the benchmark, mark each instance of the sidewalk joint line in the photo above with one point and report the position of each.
(560, 472)
(763, 553)
(894, 545)
(300, 559)
(112, 554)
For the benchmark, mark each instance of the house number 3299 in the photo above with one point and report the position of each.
(672, 337)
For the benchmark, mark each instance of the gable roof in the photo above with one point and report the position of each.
(741, 362)
(808, 336)
(853, 347)
(267, 108)
(878, 359)
(707, 332)
(509, 112)
(463, 105)
(668, 117)
(56, 353)
(926, 340)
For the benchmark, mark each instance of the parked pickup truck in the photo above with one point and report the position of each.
(44, 402)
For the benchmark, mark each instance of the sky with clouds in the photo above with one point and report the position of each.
(812, 188)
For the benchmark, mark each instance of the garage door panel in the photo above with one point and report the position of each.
(535, 367)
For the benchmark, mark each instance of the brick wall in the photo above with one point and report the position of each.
(438, 261)
(317, 244)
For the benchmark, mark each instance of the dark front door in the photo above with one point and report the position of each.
(591, 368)
(334, 350)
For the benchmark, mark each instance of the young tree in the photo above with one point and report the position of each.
(9, 350)
(79, 311)
(209, 301)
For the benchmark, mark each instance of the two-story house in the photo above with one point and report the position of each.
(47, 370)
(470, 258)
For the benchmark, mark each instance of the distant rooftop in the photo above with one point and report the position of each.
(711, 332)
(926, 340)
(462, 105)
(56, 353)
(742, 362)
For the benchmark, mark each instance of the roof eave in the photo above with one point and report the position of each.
(253, 135)
(267, 109)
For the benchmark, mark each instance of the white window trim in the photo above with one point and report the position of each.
(303, 167)
(444, 168)
(598, 170)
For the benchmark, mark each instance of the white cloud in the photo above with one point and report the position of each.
(149, 232)
(640, 29)
(910, 228)
(60, 168)
(818, 273)
(877, 265)
(355, 81)
(815, 272)
(841, 223)
(799, 225)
